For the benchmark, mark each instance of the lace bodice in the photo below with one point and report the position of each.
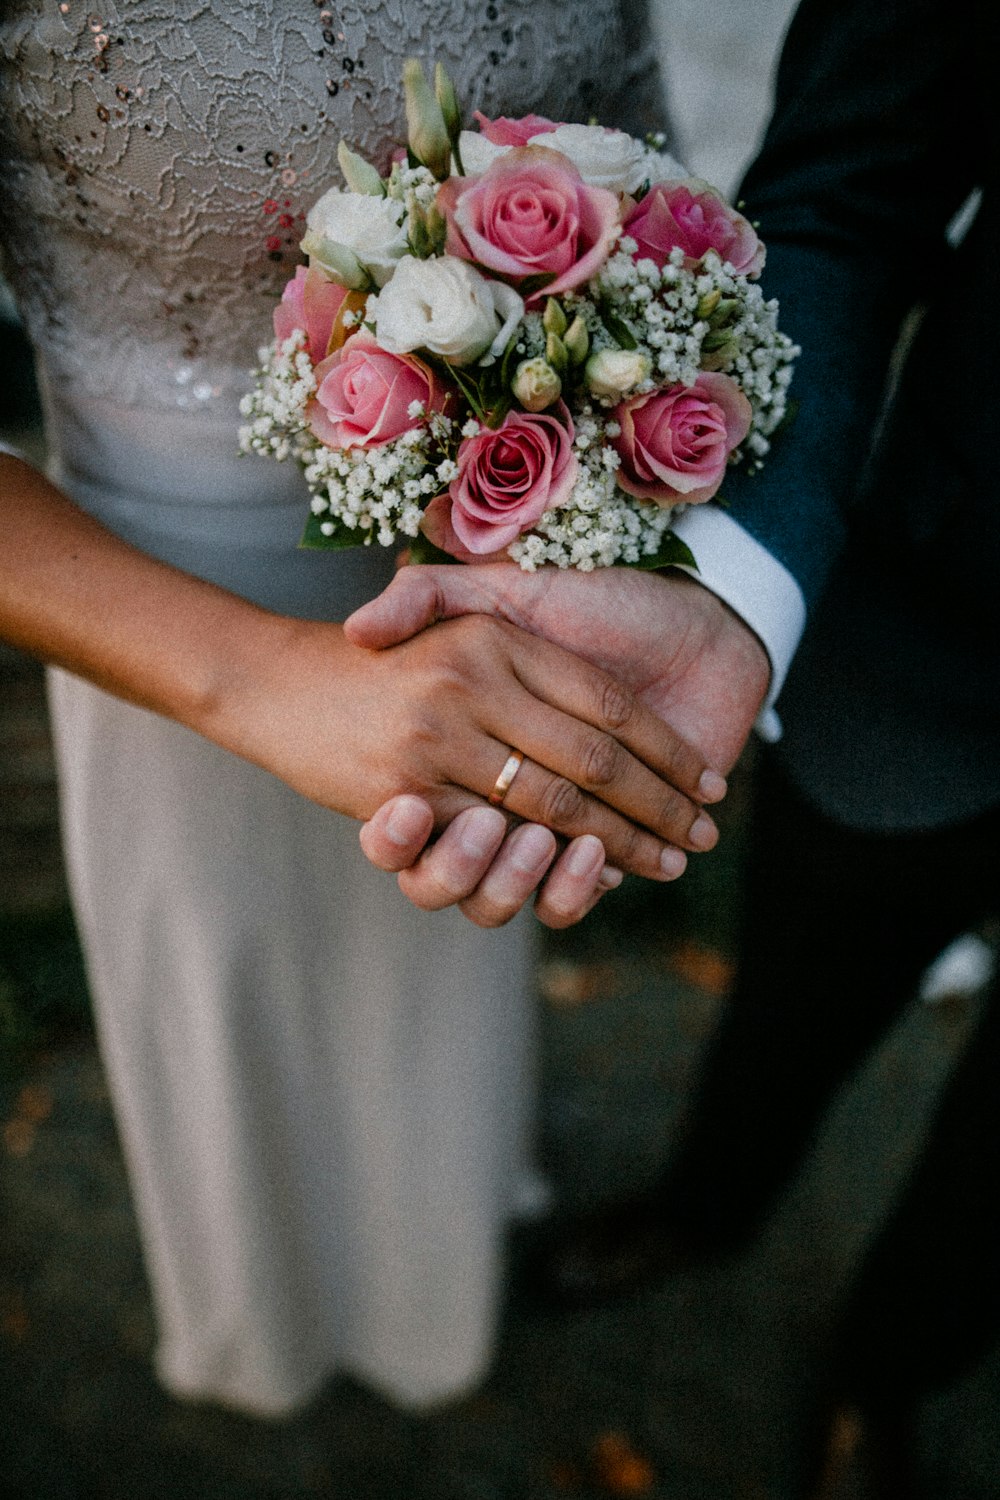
(157, 157)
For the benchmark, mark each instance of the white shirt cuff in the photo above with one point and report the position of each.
(755, 585)
(13, 452)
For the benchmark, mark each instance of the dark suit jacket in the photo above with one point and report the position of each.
(885, 122)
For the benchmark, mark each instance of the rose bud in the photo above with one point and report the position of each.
(444, 91)
(360, 175)
(612, 372)
(577, 340)
(536, 385)
(426, 128)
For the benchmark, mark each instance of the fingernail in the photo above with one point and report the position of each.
(673, 862)
(711, 786)
(585, 856)
(406, 823)
(610, 878)
(531, 848)
(480, 831)
(703, 833)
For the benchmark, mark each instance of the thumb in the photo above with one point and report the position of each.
(416, 597)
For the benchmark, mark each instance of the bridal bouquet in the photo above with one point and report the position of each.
(537, 340)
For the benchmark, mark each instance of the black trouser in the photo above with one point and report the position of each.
(839, 927)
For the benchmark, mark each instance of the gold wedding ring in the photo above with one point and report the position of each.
(503, 782)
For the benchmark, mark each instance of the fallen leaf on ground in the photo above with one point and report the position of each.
(34, 1102)
(564, 984)
(704, 968)
(18, 1137)
(618, 1468)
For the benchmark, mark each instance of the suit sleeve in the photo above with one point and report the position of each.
(872, 148)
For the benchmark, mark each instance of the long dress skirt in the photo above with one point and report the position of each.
(324, 1095)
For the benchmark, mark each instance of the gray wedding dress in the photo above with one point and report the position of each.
(324, 1095)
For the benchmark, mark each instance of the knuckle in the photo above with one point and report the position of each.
(676, 812)
(445, 688)
(602, 760)
(617, 704)
(418, 735)
(630, 847)
(684, 765)
(481, 632)
(562, 803)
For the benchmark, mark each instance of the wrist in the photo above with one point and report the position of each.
(240, 686)
(750, 579)
(287, 695)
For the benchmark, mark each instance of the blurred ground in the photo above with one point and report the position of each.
(701, 1390)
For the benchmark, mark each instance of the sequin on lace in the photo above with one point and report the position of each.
(157, 156)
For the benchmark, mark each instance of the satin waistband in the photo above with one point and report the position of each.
(174, 484)
(164, 457)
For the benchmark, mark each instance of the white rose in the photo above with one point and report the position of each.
(447, 307)
(612, 372)
(372, 229)
(477, 152)
(604, 158)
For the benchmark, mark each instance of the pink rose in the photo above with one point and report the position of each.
(436, 525)
(531, 214)
(674, 443)
(693, 217)
(509, 475)
(504, 131)
(311, 303)
(364, 394)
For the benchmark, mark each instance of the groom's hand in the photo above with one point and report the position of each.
(692, 660)
(673, 642)
(486, 868)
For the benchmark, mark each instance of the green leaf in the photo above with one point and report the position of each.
(671, 553)
(470, 390)
(508, 355)
(791, 412)
(339, 540)
(619, 331)
(422, 550)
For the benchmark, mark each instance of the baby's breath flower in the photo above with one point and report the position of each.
(641, 327)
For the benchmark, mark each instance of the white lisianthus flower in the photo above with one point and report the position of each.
(477, 152)
(660, 166)
(372, 229)
(604, 158)
(612, 372)
(447, 307)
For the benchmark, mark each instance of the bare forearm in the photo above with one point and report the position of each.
(75, 595)
(345, 726)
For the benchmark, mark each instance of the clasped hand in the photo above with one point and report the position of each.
(672, 688)
(435, 718)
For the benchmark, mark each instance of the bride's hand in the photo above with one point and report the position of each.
(688, 658)
(437, 717)
(347, 726)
